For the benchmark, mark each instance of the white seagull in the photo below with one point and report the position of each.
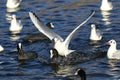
(106, 5)
(95, 34)
(15, 25)
(112, 52)
(13, 3)
(1, 48)
(60, 44)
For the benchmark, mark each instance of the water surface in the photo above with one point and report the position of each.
(65, 15)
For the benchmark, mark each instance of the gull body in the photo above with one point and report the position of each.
(95, 34)
(113, 52)
(106, 5)
(13, 3)
(15, 25)
(60, 44)
(1, 48)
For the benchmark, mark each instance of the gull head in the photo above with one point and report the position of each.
(13, 16)
(111, 42)
(56, 40)
(93, 26)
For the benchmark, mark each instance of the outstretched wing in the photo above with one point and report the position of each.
(67, 40)
(43, 28)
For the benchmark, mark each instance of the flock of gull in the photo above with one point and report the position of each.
(60, 45)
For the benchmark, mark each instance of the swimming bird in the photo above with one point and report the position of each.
(60, 44)
(13, 3)
(95, 34)
(39, 36)
(106, 5)
(15, 25)
(23, 55)
(72, 58)
(1, 48)
(81, 73)
(50, 25)
(113, 52)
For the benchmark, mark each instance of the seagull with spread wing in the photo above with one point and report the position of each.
(60, 44)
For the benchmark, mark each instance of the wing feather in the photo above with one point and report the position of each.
(67, 40)
(43, 28)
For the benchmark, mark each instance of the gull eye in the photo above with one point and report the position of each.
(113, 42)
(110, 41)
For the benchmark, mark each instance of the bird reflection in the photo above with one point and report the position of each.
(12, 9)
(14, 37)
(8, 17)
(113, 62)
(63, 70)
(69, 72)
(106, 17)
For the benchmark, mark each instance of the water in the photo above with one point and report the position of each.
(65, 15)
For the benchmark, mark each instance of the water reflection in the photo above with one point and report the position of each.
(65, 70)
(8, 17)
(113, 63)
(14, 37)
(114, 68)
(106, 17)
(13, 9)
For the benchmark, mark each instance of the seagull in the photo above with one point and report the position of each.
(60, 44)
(95, 34)
(15, 25)
(13, 3)
(106, 6)
(112, 52)
(24, 55)
(1, 48)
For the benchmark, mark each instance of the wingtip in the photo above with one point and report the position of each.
(31, 12)
(93, 12)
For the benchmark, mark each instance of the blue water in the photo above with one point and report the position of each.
(65, 15)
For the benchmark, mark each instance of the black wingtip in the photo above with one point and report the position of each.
(34, 14)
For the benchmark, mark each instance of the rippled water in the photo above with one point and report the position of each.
(65, 15)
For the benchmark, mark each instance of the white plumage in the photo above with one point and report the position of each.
(106, 5)
(113, 52)
(95, 34)
(60, 44)
(15, 25)
(13, 3)
(1, 48)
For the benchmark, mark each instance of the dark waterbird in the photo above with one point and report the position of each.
(23, 55)
(39, 36)
(81, 73)
(75, 57)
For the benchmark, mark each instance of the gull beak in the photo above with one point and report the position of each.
(54, 43)
(107, 43)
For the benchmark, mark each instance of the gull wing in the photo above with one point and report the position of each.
(43, 28)
(67, 40)
(98, 32)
